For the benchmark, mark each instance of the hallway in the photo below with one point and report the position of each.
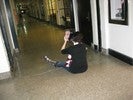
(37, 39)
(107, 78)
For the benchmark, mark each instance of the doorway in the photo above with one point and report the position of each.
(68, 17)
(85, 21)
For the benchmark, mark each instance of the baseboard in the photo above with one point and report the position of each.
(121, 56)
(105, 51)
(5, 75)
(95, 47)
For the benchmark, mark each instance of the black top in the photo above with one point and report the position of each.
(79, 61)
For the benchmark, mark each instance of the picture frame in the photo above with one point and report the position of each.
(118, 11)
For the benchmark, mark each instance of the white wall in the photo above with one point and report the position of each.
(114, 36)
(4, 63)
(121, 36)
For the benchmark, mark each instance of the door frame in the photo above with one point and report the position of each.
(99, 25)
(11, 23)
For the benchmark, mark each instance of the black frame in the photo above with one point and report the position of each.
(121, 14)
(11, 23)
(99, 27)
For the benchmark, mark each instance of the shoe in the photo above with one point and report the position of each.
(46, 58)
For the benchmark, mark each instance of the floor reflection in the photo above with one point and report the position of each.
(37, 39)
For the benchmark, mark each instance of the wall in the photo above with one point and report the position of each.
(4, 63)
(46, 10)
(8, 30)
(60, 12)
(121, 36)
(114, 36)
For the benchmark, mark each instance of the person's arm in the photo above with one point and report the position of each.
(64, 44)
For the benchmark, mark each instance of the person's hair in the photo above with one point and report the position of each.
(77, 37)
(67, 30)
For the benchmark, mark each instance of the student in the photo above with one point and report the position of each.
(76, 61)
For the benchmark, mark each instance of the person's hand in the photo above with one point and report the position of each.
(65, 38)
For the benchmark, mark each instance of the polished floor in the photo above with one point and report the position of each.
(107, 78)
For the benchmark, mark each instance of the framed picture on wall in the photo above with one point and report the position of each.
(118, 11)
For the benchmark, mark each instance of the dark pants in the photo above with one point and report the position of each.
(61, 64)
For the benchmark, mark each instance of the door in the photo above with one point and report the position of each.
(85, 22)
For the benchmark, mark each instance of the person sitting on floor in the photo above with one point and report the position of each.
(76, 61)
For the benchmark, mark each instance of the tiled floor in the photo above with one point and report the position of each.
(106, 79)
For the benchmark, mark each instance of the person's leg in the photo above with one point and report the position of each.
(56, 63)
(49, 60)
(61, 64)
